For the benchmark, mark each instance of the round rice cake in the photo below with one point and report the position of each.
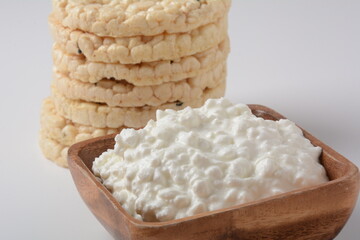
(142, 74)
(53, 150)
(66, 132)
(127, 18)
(124, 94)
(102, 116)
(138, 49)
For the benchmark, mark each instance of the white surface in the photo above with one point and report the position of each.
(299, 57)
(206, 159)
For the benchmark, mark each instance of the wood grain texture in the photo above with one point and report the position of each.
(317, 212)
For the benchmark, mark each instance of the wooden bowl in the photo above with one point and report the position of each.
(317, 212)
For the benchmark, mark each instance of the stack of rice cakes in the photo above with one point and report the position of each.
(117, 61)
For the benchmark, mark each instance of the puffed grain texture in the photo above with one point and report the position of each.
(143, 74)
(65, 131)
(53, 150)
(127, 18)
(138, 49)
(103, 116)
(124, 94)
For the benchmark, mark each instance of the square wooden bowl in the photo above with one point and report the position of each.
(317, 212)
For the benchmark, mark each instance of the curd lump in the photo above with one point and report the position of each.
(196, 160)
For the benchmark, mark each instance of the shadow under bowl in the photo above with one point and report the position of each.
(317, 212)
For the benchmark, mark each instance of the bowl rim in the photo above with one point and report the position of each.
(74, 158)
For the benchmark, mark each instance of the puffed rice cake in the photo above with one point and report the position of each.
(119, 18)
(133, 50)
(124, 94)
(118, 61)
(53, 150)
(65, 131)
(102, 116)
(57, 133)
(142, 74)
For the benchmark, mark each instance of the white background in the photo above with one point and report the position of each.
(299, 57)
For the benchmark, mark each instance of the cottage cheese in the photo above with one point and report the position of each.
(196, 160)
